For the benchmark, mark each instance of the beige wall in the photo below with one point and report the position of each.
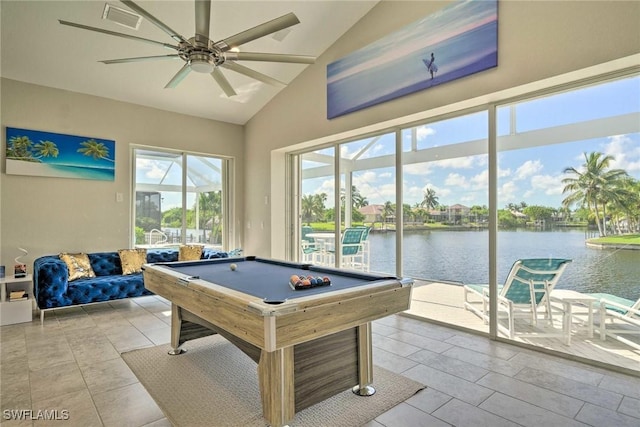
(537, 41)
(50, 215)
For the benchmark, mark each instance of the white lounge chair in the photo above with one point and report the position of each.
(623, 316)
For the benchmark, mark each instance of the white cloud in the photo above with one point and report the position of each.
(388, 191)
(152, 168)
(550, 185)
(424, 131)
(527, 169)
(345, 153)
(481, 180)
(326, 187)
(508, 193)
(625, 151)
(469, 199)
(366, 177)
(418, 169)
(456, 180)
(466, 162)
(413, 193)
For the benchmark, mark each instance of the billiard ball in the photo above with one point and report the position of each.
(233, 267)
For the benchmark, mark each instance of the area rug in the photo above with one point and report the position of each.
(214, 384)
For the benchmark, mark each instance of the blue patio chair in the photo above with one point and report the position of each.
(365, 246)
(352, 254)
(525, 291)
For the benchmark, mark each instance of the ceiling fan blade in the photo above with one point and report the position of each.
(270, 57)
(113, 33)
(178, 77)
(203, 15)
(253, 74)
(139, 59)
(285, 21)
(155, 21)
(223, 82)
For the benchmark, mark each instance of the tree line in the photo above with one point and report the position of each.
(595, 193)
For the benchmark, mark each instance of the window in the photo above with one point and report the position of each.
(543, 144)
(445, 192)
(181, 199)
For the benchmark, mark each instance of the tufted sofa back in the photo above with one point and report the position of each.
(105, 263)
(52, 289)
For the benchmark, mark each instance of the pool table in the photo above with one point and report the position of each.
(309, 344)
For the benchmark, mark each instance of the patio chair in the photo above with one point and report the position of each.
(308, 244)
(524, 294)
(623, 316)
(365, 244)
(352, 249)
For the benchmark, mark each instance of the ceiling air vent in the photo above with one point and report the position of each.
(121, 16)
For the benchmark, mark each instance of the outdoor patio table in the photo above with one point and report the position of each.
(325, 241)
(568, 298)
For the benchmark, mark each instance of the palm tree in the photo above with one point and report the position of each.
(388, 210)
(357, 199)
(306, 206)
(633, 207)
(313, 206)
(624, 205)
(430, 200)
(19, 147)
(95, 149)
(593, 186)
(46, 149)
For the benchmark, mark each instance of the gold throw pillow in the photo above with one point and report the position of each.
(78, 265)
(132, 260)
(190, 253)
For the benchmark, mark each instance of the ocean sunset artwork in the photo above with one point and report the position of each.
(457, 41)
(36, 153)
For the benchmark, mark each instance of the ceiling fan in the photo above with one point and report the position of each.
(204, 55)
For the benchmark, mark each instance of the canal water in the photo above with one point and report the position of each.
(462, 256)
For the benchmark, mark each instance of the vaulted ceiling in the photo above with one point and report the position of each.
(37, 49)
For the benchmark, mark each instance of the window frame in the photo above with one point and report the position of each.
(229, 240)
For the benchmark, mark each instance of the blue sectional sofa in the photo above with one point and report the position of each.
(52, 288)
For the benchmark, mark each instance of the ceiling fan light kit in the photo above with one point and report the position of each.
(199, 53)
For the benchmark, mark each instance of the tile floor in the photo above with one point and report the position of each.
(470, 380)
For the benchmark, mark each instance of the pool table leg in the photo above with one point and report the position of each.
(176, 327)
(275, 374)
(365, 362)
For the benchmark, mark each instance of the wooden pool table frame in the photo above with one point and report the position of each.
(307, 349)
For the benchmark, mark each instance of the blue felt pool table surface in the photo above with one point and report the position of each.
(269, 279)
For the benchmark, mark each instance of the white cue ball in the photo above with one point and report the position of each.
(233, 267)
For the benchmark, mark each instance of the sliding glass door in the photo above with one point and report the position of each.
(548, 175)
(180, 198)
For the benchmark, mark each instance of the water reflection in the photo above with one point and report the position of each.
(462, 256)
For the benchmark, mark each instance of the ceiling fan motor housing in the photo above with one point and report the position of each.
(200, 54)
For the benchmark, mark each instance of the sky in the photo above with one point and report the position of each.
(531, 175)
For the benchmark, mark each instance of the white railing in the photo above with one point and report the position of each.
(157, 237)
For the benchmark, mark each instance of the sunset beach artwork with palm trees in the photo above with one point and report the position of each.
(31, 152)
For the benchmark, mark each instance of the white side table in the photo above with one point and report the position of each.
(568, 298)
(16, 311)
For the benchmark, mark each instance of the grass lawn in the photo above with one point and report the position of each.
(626, 239)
